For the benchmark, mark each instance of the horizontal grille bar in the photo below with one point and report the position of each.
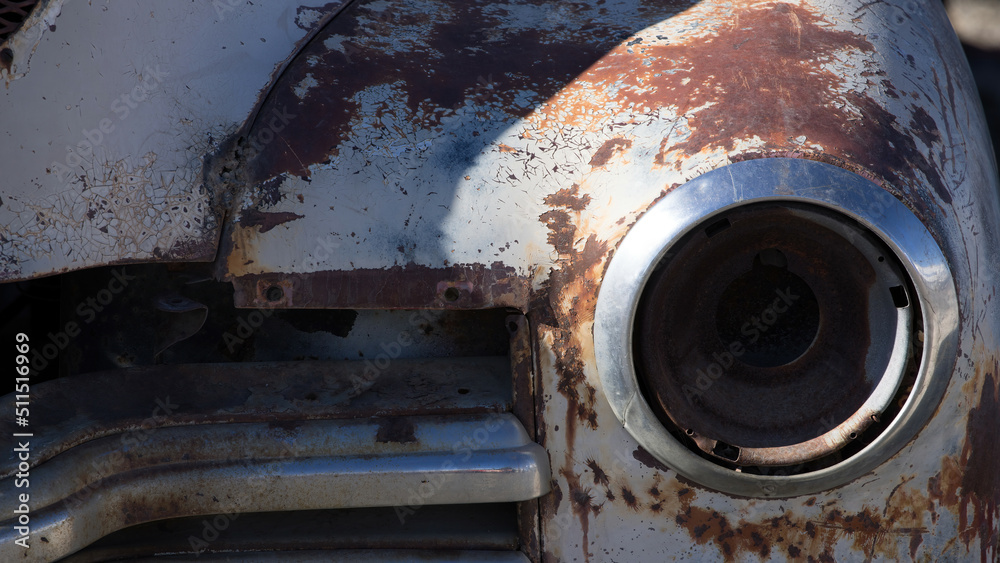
(237, 468)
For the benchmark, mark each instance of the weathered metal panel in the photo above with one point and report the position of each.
(108, 113)
(880, 89)
(408, 161)
(426, 136)
(425, 143)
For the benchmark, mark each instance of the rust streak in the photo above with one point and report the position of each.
(266, 221)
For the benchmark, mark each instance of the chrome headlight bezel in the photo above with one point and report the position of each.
(770, 180)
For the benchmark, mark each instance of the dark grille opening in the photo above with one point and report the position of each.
(12, 15)
(420, 409)
(483, 527)
(138, 315)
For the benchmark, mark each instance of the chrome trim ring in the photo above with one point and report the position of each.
(763, 180)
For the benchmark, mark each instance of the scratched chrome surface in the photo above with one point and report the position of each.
(427, 141)
(108, 110)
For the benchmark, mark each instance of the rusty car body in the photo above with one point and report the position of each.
(509, 280)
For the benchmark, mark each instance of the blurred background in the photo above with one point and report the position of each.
(977, 23)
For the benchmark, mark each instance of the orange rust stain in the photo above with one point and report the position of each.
(507, 148)
(572, 290)
(763, 74)
(872, 533)
(753, 79)
(770, 75)
(968, 486)
(582, 502)
(568, 198)
(608, 150)
(240, 241)
(970, 483)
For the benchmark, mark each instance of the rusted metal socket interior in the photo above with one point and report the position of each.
(775, 334)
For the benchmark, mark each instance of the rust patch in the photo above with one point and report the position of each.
(924, 127)
(769, 75)
(871, 533)
(562, 231)
(629, 498)
(395, 429)
(980, 481)
(582, 502)
(568, 198)
(608, 149)
(425, 54)
(266, 221)
(578, 391)
(269, 192)
(399, 287)
(600, 477)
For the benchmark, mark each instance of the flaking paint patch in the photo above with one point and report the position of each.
(115, 208)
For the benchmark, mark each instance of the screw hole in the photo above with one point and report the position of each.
(452, 294)
(689, 432)
(881, 258)
(512, 326)
(463, 391)
(311, 396)
(854, 435)
(274, 293)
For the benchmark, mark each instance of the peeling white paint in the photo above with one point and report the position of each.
(129, 145)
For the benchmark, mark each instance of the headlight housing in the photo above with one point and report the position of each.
(776, 327)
